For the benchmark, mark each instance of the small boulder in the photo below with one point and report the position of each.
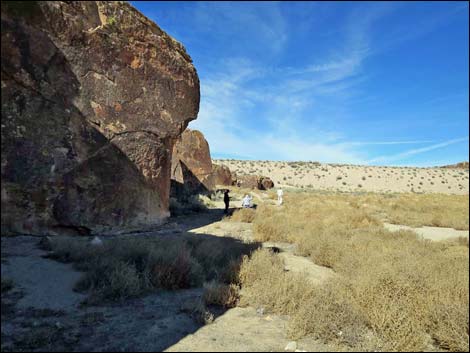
(265, 183)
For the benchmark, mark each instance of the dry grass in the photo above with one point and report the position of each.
(123, 268)
(265, 282)
(221, 294)
(243, 215)
(190, 204)
(394, 291)
(416, 210)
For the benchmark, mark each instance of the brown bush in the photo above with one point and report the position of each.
(225, 295)
(243, 215)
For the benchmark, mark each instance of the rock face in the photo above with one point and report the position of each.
(94, 96)
(222, 175)
(191, 166)
(254, 182)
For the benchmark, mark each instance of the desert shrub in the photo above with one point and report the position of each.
(264, 270)
(221, 294)
(437, 210)
(110, 280)
(243, 215)
(189, 204)
(175, 269)
(123, 268)
(394, 291)
(330, 315)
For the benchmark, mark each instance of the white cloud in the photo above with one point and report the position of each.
(412, 152)
(257, 112)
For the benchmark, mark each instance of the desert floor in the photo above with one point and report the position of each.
(351, 178)
(42, 312)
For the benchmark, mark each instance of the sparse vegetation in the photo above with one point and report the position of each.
(243, 215)
(189, 204)
(124, 268)
(393, 291)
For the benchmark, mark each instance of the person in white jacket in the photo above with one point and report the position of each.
(280, 193)
(246, 202)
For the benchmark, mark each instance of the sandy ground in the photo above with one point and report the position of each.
(356, 178)
(43, 313)
(431, 233)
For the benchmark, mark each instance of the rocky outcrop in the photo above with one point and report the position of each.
(254, 182)
(222, 175)
(94, 95)
(191, 166)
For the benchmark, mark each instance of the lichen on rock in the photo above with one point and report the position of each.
(94, 96)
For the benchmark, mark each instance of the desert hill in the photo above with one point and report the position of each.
(351, 178)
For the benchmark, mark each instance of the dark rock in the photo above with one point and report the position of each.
(254, 182)
(191, 166)
(93, 97)
(222, 175)
(265, 183)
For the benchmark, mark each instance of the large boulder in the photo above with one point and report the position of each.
(191, 166)
(254, 182)
(94, 96)
(222, 175)
(247, 181)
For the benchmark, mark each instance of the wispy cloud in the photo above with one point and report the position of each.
(255, 109)
(412, 152)
(365, 143)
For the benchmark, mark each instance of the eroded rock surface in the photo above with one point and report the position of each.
(254, 182)
(94, 95)
(222, 175)
(191, 167)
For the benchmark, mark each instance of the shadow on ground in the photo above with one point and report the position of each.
(35, 316)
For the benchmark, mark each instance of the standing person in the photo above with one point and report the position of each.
(279, 196)
(226, 200)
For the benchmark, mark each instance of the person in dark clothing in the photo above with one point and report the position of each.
(226, 200)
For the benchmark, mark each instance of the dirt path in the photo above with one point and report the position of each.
(250, 329)
(46, 284)
(244, 330)
(431, 233)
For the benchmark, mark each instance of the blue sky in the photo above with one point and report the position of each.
(379, 83)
